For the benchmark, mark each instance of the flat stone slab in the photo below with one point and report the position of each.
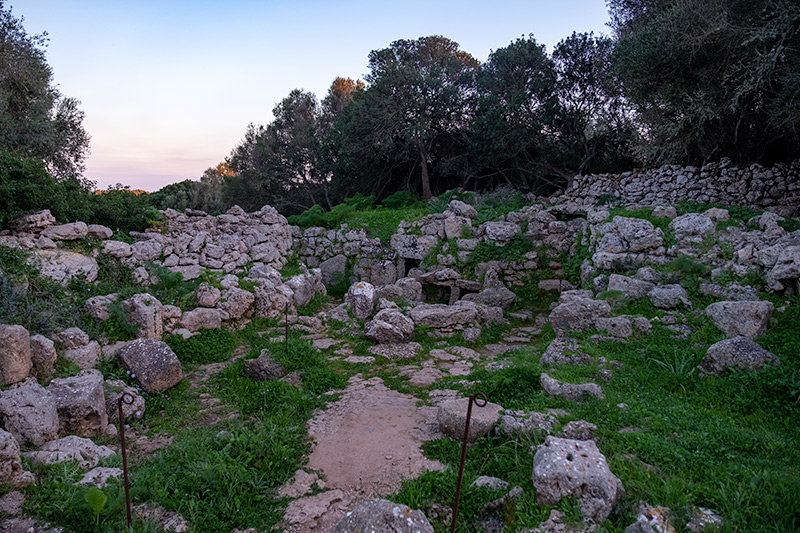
(360, 359)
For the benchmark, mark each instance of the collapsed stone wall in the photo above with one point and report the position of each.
(719, 182)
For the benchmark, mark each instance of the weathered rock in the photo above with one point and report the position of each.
(579, 430)
(629, 287)
(15, 347)
(43, 356)
(146, 250)
(71, 338)
(452, 417)
(145, 312)
(29, 413)
(202, 318)
(238, 303)
(81, 403)
(99, 476)
(383, 515)
(399, 351)
(35, 221)
(629, 235)
(65, 265)
(650, 519)
(564, 351)
(153, 363)
(461, 209)
(117, 249)
(520, 422)
(573, 392)
(207, 295)
(263, 368)
(669, 297)
(114, 388)
(11, 471)
(411, 289)
(97, 231)
(361, 299)
(498, 232)
(786, 268)
(748, 319)
(334, 270)
(692, 226)
(71, 448)
(578, 314)
(564, 467)
(85, 356)
(493, 296)
(491, 483)
(704, 519)
(67, 232)
(443, 316)
(390, 326)
(738, 352)
(302, 286)
(618, 326)
(97, 306)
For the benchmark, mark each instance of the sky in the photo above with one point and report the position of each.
(168, 87)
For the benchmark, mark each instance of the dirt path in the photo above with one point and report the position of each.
(366, 444)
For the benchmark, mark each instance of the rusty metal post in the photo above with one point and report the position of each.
(286, 331)
(480, 402)
(128, 399)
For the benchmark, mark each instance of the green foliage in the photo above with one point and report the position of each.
(122, 209)
(171, 289)
(514, 250)
(292, 267)
(117, 327)
(699, 71)
(400, 199)
(206, 346)
(316, 217)
(96, 499)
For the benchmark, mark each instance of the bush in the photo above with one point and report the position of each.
(122, 209)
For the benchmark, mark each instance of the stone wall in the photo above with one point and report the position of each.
(719, 182)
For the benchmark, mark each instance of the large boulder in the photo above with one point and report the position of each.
(692, 227)
(85, 356)
(786, 268)
(67, 232)
(238, 303)
(155, 366)
(492, 296)
(114, 389)
(11, 471)
(390, 326)
(383, 515)
(570, 391)
(64, 265)
(43, 356)
(71, 448)
(81, 403)
(146, 313)
(361, 299)
(15, 354)
(302, 286)
(334, 270)
(443, 316)
(71, 338)
(629, 287)
(738, 352)
(201, 318)
(98, 231)
(29, 413)
(669, 297)
(748, 319)
(564, 467)
(577, 313)
(629, 235)
(452, 418)
(207, 295)
(263, 368)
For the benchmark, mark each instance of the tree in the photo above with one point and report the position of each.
(712, 78)
(594, 121)
(416, 109)
(35, 119)
(510, 133)
(278, 163)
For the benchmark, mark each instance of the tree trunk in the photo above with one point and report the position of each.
(426, 181)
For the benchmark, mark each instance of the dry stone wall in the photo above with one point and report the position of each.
(719, 182)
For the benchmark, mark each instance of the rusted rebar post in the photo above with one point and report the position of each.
(286, 331)
(480, 400)
(128, 399)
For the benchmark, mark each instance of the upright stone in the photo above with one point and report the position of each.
(15, 354)
(153, 363)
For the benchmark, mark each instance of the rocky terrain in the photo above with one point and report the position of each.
(553, 311)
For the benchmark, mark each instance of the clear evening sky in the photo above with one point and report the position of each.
(169, 86)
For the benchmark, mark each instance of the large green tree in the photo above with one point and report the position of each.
(414, 114)
(712, 78)
(35, 119)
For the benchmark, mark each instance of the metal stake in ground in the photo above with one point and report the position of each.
(126, 398)
(480, 402)
(286, 332)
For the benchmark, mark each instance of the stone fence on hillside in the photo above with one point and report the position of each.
(720, 182)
